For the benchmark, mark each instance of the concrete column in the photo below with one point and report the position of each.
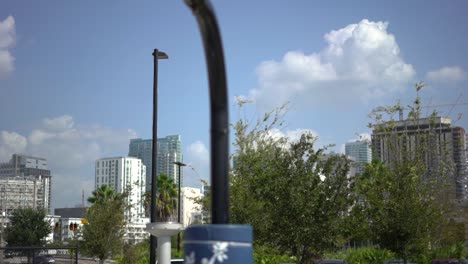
(164, 249)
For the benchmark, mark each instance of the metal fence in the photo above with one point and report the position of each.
(38, 255)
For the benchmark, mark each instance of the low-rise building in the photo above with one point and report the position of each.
(190, 210)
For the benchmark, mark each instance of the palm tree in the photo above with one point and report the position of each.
(166, 198)
(103, 194)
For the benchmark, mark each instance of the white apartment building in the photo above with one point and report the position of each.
(126, 174)
(190, 211)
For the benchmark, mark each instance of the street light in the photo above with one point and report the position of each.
(179, 164)
(156, 55)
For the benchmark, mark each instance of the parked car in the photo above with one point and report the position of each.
(43, 259)
(11, 253)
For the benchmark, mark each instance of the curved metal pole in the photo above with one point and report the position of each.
(219, 118)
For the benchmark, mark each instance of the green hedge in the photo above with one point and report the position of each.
(266, 255)
(364, 255)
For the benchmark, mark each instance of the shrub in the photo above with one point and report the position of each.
(364, 255)
(266, 255)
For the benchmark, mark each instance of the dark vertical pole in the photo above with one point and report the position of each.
(153, 240)
(178, 211)
(218, 109)
(76, 255)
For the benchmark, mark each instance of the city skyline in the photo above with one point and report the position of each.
(76, 77)
(169, 151)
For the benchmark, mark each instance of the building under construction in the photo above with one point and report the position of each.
(444, 143)
(25, 181)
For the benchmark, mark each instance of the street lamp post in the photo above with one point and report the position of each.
(179, 164)
(232, 242)
(157, 55)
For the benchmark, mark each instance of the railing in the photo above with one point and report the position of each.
(32, 255)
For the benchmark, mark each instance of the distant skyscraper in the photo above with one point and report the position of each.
(446, 141)
(169, 151)
(126, 174)
(25, 181)
(360, 152)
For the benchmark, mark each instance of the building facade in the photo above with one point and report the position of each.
(169, 151)
(191, 211)
(24, 192)
(445, 143)
(360, 152)
(25, 181)
(126, 174)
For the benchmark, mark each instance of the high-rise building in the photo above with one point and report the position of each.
(360, 152)
(169, 151)
(22, 165)
(126, 174)
(25, 181)
(446, 143)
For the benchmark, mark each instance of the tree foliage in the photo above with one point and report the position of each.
(292, 193)
(28, 227)
(103, 235)
(403, 199)
(166, 198)
(104, 194)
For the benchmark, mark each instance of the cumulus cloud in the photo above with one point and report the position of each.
(447, 75)
(70, 150)
(11, 142)
(7, 41)
(360, 61)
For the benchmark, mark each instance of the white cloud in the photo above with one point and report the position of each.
(198, 160)
(60, 123)
(361, 61)
(70, 150)
(11, 142)
(7, 41)
(448, 75)
(361, 136)
(291, 135)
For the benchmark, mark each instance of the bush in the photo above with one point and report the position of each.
(365, 255)
(455, 250)
(266, 255)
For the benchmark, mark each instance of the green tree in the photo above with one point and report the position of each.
(294, 195)
(103, 194)
(166, 198)
(402, 214)
(103, 235)
(403, 198)
(28, 227)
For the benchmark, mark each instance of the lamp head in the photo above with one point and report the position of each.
(178, 163)
(160, 54)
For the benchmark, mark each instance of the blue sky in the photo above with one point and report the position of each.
(76, 76)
